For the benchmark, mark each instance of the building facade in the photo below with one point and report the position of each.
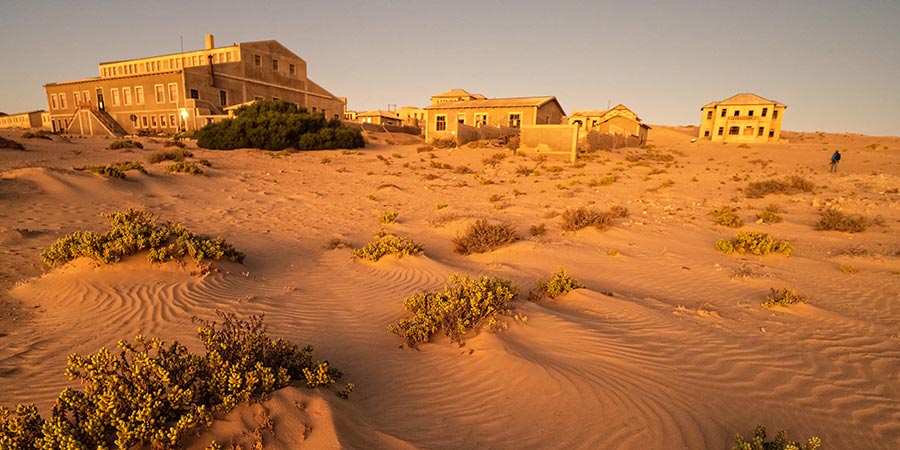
(184, 91)
(455, 95)
(443, 118)
(380, 117)
(619, 120)
(34, 119)
(742, 118)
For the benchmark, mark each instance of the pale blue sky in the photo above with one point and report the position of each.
(836, 64)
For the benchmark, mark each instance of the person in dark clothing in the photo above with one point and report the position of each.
(835, 159)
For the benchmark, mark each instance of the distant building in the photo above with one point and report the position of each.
(619, 120)
(455, 95)
(444, 117)
(32, 119)
(412, 116)
(742, 118)
(380, 117)
(184, 91)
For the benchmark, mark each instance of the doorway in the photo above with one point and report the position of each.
(100, 105)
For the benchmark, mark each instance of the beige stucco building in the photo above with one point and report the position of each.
(619, 120)
(380, 117)
(444, 117)
(455, 95)
(184, 91)
(412, 116)
(742, 118)
(34, 119)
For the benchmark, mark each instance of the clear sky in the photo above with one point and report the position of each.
(835, 63)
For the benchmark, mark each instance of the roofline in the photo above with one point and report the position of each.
(177, 53)
(138, 75)
(463, 102)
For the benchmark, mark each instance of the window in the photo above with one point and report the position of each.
(258, 98)
(153, 122)
(771, 133)
(706, 133)
(162, 121)
(292, 69)
(721, 131)
(62, 101)
(314, 109)
(481, 119)
(440, 123)
(257, 60)
(173, 92)
(139, 95)
(762, 130)
(195, 93)
(709, 115)
(461, 118)
(114, 92)
(737, 113)
(724, 110)
(751, 113)
(734, 131)
(223, 98)
(144, 121)
(160, 93)
(77, 96)
(765, 110)
(275, 65)
(126, 95)
(515, 120)
(53, 104)
(774, 114)
(172, 120)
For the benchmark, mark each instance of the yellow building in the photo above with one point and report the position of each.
(380, 117)
(455, 95)
(22, 120)
(443, 118)
(617, 121)
(742, 118)
(184, 91)
(412, 116)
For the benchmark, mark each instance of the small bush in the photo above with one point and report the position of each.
(11, 144)
(537, 230)
(173, 143)
(170, 155)
(463, 170)
(524, 170)
(838, 221)
(388, 218)
(125, 144)
(557, 285)
(788, 186)
(116, 170)
(754, 242)
(443, 142)
(576, 219)
(133, 231)
(185, 167)
(726, 216)
(781, 442)
(336, 243)
(388, 244)
(846, 268)
(783, 297)
(770, 214)
(151, 393)
(39, 134)
(463, 306)
(483, 236)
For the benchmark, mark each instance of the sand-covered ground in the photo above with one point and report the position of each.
(667, 347)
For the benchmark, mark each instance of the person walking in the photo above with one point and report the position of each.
(835, 159)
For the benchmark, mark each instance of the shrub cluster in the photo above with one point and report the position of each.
(781, 442)
(125, 144)
(388, 244)
(449, 142)
(791, 185)
(727, 216)
(388, 218)
(173, 143)
(277, 125)
(770, 214)
(558, 284)
(11, 144)
(466, 304)
(836, 220)
(39, 134)
(785, 296)
(754, 242)
(483, 236)
(170, 155)
(185, 167)
(576, 219)
(116, 170)
(153, 392)
(132, 231)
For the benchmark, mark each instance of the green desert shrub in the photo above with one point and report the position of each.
(152, 393)
(483, 236)
(133, 231)
(185, 167)
(464, 305)
(388, 244)
(791, 185)
(277, 125)
(558, 284)
(754, 242)
(770, 214)
(173, 143)
(838, 221)
(781, 442)
(116, 170)
(727, 216)
(388, 217)
(11, 144)
(170, 155)
(782, 297)
(128, 143)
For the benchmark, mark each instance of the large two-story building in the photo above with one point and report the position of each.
(742, 118)
(184, 91)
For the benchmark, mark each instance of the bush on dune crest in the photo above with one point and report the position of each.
(781, 442)
(483, 236)
(153, 392)
(277, 125)
(558, 284)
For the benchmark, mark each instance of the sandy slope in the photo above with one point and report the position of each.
(666, 348)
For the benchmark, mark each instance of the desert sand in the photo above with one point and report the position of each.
(667, 347)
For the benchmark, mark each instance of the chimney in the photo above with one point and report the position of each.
(210, 42)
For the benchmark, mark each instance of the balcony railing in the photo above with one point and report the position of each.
(743, 117)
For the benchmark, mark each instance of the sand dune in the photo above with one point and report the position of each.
(666, 347)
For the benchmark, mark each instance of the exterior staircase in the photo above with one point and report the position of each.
(113, 127)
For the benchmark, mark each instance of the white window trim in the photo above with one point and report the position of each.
(127, 99)
(173, 98)
(512, 113)
(54, 101)
(483, 115)
(157, 89)
(62, 101)
(139, 99)
(114, 96)
(436, 121)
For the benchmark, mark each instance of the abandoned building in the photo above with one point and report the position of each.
(379, 117)
(619, 120)
(184, 91)
(742, 118)
(445, 118)
(33, 119)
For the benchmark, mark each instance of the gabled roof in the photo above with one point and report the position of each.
(457, 93)
(588, 113)
(744, 99)
(378, 113)
(496, 103)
